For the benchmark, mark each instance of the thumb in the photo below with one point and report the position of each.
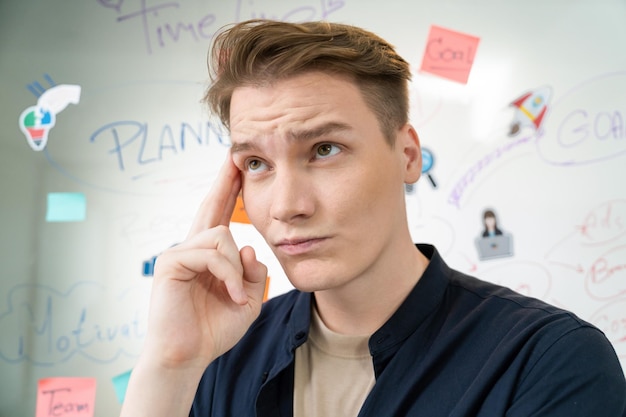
(254, 273)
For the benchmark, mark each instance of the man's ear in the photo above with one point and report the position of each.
(412, 153)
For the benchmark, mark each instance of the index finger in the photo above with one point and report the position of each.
(217, 207)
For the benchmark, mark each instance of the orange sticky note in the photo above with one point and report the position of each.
(449, 54)
(266, 293)
(67, 397)
(239, 213)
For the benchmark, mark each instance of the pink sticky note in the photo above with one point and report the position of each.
(449, 54)
(67, 397)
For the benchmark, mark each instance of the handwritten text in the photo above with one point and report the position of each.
(134, 141)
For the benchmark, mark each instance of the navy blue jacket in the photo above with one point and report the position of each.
(457, 346)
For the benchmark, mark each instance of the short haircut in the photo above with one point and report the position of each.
(259, 52)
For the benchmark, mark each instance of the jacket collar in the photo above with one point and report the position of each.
(418, 305)
(401, 324)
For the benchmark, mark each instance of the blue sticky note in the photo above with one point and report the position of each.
(120, 383)
(66, 207)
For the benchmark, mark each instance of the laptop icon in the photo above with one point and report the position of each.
(491, 247)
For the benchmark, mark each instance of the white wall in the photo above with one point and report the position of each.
(72, 295)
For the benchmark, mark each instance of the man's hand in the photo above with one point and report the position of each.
(206, 294)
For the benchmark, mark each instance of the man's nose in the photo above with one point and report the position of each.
(292, 195)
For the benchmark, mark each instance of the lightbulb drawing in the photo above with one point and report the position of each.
(531, 109)
(36, 121)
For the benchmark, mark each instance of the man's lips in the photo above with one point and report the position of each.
(300, 245)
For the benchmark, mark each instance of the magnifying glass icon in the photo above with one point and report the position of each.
(428, 160)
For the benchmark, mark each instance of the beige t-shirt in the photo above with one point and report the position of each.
(333, 373)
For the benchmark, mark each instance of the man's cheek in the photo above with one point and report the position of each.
(255, 210)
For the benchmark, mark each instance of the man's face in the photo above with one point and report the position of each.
(320, 183)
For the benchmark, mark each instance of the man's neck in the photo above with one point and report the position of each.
(365, 304)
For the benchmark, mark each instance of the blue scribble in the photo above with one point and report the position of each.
(45, 326)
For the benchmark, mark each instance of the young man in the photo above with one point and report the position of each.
(321, 150)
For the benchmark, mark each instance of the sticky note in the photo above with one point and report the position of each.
(239, 213)
(266, 293)
(66, 207)
(68, 397)
(120, 383)
(449, 54)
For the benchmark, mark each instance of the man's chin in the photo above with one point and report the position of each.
(308, 279)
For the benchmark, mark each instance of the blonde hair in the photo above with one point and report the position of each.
(259, 52)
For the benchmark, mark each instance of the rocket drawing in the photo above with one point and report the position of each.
(531, 109)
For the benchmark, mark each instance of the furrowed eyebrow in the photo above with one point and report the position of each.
(295, 135)
(316, 132)
(242, 147)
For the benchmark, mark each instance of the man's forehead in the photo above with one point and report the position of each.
(296, 109)
(297, 134)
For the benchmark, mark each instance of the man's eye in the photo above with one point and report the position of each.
(327, 149)
(255, 165)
